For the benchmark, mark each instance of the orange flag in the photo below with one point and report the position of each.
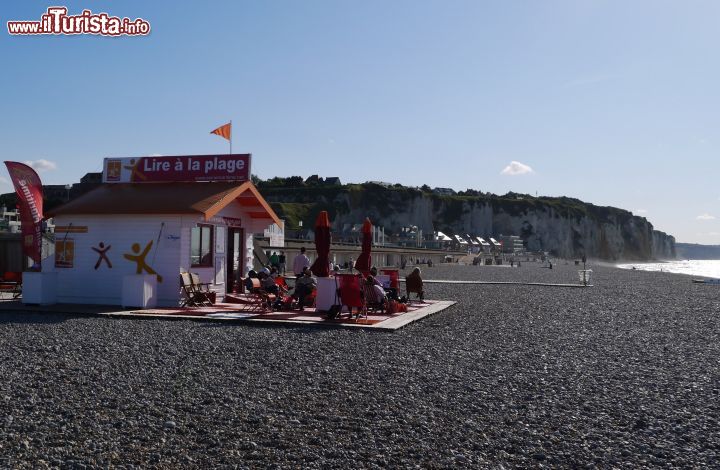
(223, 131)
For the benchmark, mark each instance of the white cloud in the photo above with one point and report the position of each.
(705, 217)
(41, 165)
(641, 211)
(516, 168)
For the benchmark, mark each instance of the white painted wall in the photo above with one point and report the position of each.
(84, 284)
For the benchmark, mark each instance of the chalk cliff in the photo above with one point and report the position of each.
(564, 226)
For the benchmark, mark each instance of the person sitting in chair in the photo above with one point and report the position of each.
(248, 280)
(414, 283)
(389, 292)
(267, 282)
(304, 286)
(377, 290)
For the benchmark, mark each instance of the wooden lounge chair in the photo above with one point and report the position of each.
(203, 287)
(193, 297)
(258, 299)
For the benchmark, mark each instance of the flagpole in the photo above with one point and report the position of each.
(230, 136)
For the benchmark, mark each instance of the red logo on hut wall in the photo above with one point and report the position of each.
(102, 251)
(114, 170)
(139, 259)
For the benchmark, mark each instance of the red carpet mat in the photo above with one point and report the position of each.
(243, 311)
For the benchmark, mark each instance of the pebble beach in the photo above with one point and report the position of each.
(625, 373)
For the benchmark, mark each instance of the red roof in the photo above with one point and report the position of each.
(169, 198)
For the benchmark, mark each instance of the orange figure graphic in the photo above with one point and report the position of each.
(102, 251)
(140, 260)
(135, 173)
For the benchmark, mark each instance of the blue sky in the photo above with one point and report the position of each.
(615, 103)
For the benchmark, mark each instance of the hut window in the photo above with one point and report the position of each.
(201, 245)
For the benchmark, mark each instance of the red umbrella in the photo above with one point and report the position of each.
(320, 267)
(364, 261)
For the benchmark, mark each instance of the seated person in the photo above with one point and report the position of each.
(391, 292)
(267, 282)
(373, 274)
(414, 283)
(304, 286)
(377, 290)
(248, 280)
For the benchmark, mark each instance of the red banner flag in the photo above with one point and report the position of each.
(29, 191)
(223, 131)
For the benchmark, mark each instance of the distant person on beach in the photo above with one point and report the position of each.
(282, 261)
(300, 262)
(275, 260)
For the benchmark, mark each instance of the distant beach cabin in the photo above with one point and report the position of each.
(127, 234)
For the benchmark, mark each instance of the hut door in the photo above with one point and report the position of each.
(234, 257)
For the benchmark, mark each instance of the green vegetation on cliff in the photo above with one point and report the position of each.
(294, 201)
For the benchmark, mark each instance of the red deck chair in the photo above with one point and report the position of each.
(350, 292)
(282, 284)
(394, 277)
(12, 282)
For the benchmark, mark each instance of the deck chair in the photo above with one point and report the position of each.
(193, 297)
(370, 303)
(282, 284)
(203, 287)
(259, 300)
(350, 292)
(413, 285)
(394, 277)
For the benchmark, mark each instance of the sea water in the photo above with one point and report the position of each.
(694, 267)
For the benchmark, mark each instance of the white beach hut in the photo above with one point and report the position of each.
(158, 230)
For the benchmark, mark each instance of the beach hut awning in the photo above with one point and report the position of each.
(460, 240)
(482, 241)
(442, 237)
(170, 198)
